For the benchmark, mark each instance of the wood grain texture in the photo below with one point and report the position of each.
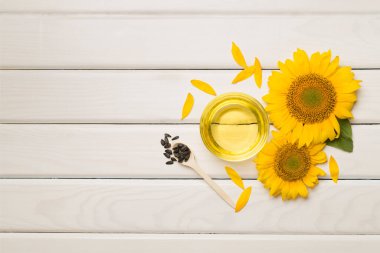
(141, 42)
(134, 151)
(152, 96)
(195, 6)
(186, 243)
(183, 206)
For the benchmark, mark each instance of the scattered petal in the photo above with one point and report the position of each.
(244, 74)
(235, 177)
(238, 56)
(334, 169)
(258, 73)
(187, 106)
(203, 86)
(243, 199)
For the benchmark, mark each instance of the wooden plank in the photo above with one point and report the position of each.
(211, 243)
(134, 151)
(141, 42)
(195, 6)
(152, 96)
(183, 206)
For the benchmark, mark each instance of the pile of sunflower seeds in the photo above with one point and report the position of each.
(179, 153)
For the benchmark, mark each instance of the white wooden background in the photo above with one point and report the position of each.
(88, 87)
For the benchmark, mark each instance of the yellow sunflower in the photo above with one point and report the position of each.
(307, 96)
(286, 169)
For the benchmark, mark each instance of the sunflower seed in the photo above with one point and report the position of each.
(167, 145)
(169, 162)
(168, 151)
(168, 136)
(175, 138)
(163, 142)
(167, 155)
(173, 159)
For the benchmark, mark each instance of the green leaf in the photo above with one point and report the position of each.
(344, 142)
(345, 128)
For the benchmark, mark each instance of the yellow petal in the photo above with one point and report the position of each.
(235, 177)
(316, 171)
(308, 133)
(302, 60)
(244, 74)
(325, 62)
(335, 124)
(342, 113)
(243, 199)
(310, 180)
(238, 56)
(315, 149)
(258, 73)
(293, 190)
(315, 61)
(302, 190)
(187, 106)
(348, 97)
(320, 157)
(275, 187)
(285, 190)
(332, 66)
(203, 86)
(334, 169)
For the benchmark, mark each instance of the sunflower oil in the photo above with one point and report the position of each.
(234, 126)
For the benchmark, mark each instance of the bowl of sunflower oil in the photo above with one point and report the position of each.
(234, 126)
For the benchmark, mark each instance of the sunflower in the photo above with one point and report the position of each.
(307, 96)
(287, 169)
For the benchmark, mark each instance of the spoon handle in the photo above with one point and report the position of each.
(213, 185)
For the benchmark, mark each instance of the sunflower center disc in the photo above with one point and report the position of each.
(311, 98)
(292, 163)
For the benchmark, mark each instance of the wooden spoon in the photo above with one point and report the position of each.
(192, 163)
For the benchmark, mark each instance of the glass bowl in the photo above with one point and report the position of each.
(234, 126)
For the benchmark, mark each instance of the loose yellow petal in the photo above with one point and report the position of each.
(203, 86)
(243, 199)
(334, 169)
(238, 56)
(235, 177)
(258, 73)
(187, 106)
(244, 74)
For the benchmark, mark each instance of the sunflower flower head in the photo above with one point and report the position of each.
(307, 96)
(287, 169)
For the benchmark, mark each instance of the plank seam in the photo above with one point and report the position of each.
(161, 178)
(148, 69)
(185, 233)
(143, 123)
